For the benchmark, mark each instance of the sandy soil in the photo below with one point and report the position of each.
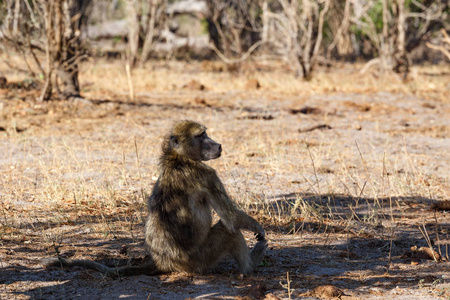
(342, 179)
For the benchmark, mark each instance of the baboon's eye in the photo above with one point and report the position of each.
(202, 135)
(174, 141)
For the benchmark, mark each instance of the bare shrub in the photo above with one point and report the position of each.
(395, 28)
(146, 25)
(234, 26)
(51, 27)
(444, 47)
(295, 30)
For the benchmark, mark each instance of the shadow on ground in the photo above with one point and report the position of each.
(338, 245)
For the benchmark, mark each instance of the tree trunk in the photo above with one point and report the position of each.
(69, 78)
(401, 59)
(65, 52)
(133, 31)
(62, 47)
(46, 92)
(148, 42)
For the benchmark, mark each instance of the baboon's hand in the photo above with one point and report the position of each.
(244, 221)
(259, 237)
(260, 234)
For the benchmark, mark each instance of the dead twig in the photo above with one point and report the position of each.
(321, 126)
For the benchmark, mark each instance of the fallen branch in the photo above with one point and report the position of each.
(442, 48)
(321, 126)
(236, 60)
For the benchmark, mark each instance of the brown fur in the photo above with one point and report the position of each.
(179, 236)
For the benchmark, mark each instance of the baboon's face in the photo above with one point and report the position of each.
(207, 147)
(190, 139)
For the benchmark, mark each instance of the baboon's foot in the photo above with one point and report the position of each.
(250, 261)
(258, 252)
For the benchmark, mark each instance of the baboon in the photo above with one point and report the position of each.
(179, 235)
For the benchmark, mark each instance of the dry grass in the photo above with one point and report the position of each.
(72, 170)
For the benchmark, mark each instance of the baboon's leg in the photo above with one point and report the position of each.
(221, 242)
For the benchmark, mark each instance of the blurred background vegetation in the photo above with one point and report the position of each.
(53, 36)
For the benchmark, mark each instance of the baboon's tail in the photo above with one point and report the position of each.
(148, 268)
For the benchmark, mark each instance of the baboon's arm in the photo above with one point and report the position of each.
(231, 216)
(145, 269)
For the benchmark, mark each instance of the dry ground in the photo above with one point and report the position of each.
(341, 170)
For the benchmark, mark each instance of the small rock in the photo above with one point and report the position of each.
(356, 126)
(123, 249)
(3, 82)
(324, 292)
(271, 296)
(348, 254)
(258, 291)
(244, 298)
(429, 105)
(201, 101)
(425, 253)
(194, 85)
(252, 84)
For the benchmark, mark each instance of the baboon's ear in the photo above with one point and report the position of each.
(174, 142)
